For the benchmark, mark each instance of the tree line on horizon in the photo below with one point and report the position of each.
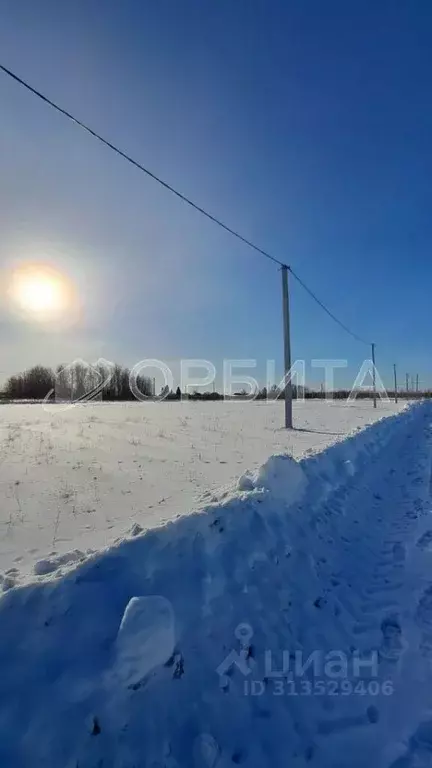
(75, 382)
(78, 381)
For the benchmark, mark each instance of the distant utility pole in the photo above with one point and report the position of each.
(287, 348)
(407, 382)
(417, 383)
(395, 383)
(374, 376)
(412, 383)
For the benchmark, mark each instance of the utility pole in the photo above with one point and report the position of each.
(395, 383)
(417, 383)
(287, 348)
(374, 376)
(412, 383)
(407, 383)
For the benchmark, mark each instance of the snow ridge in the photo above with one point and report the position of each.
(142, 653)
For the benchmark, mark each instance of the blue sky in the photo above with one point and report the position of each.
(305, 125)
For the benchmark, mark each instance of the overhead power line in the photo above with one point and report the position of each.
(178, 194)
(320, 303)
(138, 165)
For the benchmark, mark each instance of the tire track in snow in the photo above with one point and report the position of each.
(416, 748)
(380, 598)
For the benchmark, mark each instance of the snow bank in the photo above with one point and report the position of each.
(140, 655)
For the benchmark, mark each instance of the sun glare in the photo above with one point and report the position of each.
(40, 292)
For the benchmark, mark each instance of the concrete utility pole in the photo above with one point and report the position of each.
(374, 376)
(407, 383)
(395, 383)
(287, 348)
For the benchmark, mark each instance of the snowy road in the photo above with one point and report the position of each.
(172, 650)
(383, 566)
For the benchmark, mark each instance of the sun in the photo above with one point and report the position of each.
(40, 291)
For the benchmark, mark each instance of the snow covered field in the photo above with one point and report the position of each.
(79, 479)
(188, 646)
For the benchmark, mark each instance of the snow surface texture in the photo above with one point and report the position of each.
(139, 656)
(82, 478)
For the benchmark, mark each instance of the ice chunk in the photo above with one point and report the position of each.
(146, 638)
(281, 475)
